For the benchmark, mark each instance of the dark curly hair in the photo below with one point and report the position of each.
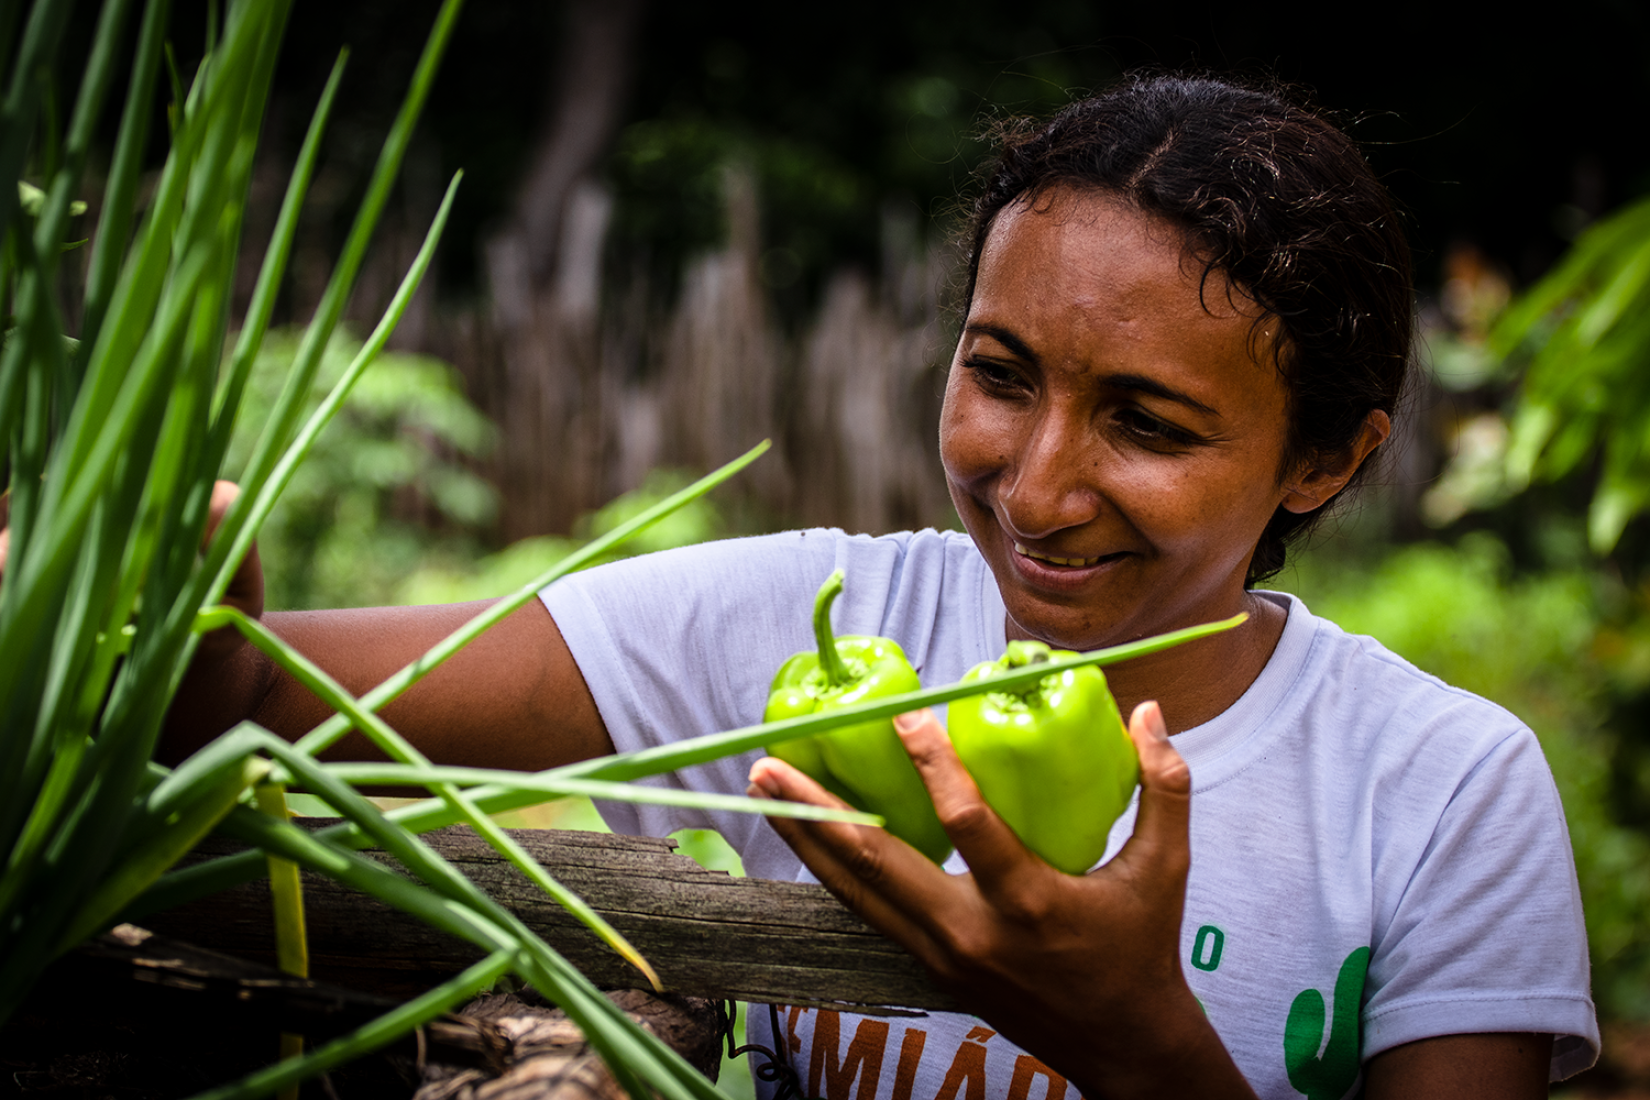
(1273, 196)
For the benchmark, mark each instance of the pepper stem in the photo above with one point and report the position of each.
(830, 661)
(1022, 655)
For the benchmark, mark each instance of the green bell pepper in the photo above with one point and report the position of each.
(1054, 760)
(864, 765)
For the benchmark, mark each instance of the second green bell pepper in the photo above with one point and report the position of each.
(864, 764)
(1054, 760)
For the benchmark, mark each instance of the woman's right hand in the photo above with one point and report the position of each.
(246, 588)
(1082, 971)
(513, 698)
(227, 677)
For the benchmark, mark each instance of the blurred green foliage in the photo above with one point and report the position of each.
(1542, 645)
(387, 509)
(444, 579)
(1581, 337)
(855, 150)
(387, 487)
(1562, 447)
(890, 95)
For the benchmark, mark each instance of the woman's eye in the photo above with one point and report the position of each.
(1150, 430)
(994, 376)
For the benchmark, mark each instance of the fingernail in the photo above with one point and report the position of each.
(1152, 714)
(761, 783)
(910, 720)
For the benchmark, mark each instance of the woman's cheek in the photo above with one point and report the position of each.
(958, 447)
(977, 436)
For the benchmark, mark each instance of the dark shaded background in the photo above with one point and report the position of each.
(1506, 132)
(857, 126)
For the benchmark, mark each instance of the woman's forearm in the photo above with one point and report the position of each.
(513, 698)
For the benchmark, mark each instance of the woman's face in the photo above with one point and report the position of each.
(1111, 442)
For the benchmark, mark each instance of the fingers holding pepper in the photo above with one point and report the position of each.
(1081, 970)
(857, 862)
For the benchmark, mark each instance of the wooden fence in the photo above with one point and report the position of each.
(592, 389)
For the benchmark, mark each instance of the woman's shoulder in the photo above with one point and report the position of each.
(1443, 802)
(1358, 684)
(1430, 773)
(891, 580)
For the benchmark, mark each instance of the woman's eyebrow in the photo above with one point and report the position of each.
(1139, 383)
(1135, 383)
(1016, 346)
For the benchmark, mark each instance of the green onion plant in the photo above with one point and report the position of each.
(114, 438)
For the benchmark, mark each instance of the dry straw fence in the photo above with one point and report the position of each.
(592, 390)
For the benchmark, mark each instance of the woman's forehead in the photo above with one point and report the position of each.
(1097, 247)
(1087, 280)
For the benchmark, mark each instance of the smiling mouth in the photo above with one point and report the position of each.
(1051, 560)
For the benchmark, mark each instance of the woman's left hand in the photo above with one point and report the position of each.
(1082, 971)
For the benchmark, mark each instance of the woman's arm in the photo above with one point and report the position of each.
(513, 698)
(1501, 1066)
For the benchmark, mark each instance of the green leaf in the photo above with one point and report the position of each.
(548, 784)
(1586, 328)
(181, 831)
(286, 891)
(30, 199)
(331, 730)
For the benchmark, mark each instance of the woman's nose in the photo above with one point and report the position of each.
(1049, 487)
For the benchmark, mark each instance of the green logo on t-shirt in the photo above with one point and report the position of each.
(1328, 1075)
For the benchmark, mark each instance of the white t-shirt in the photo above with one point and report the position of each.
(1376, 857)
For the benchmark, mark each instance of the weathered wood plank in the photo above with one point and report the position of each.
(707, 933)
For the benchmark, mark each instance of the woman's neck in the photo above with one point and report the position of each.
(1199, 680)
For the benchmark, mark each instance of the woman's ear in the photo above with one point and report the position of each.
(1314, 484)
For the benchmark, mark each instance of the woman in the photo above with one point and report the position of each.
(1187, 326)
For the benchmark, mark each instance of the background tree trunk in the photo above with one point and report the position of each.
(545, 382)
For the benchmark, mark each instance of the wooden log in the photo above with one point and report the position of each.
(707, 933)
